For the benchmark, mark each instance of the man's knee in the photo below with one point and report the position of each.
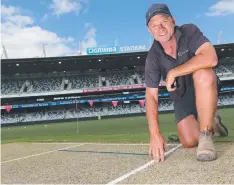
(204, 77)
(190, 143)
(188, 130)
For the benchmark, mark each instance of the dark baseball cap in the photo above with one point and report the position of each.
(157, 9)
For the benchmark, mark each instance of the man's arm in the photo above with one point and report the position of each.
(152, 80)
(205, 57)
(152, 110)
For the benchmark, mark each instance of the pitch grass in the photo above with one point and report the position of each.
(120, 130)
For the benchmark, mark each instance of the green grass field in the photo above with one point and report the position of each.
(120, 130)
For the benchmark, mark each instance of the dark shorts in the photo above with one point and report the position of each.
(186, 105)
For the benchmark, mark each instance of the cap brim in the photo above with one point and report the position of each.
(157, 13)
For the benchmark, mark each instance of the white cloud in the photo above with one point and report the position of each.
(23, 39)
(60, 7)
(89, 39)
(20, 20)
(7, 11)
(45, 17)
(221, 8)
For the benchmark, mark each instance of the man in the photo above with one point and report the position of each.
(184, 57)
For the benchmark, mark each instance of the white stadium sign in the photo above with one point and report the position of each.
(115, 49)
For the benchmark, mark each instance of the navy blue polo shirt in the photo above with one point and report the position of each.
(188, 38)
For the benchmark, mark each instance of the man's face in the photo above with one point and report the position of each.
(161, 27)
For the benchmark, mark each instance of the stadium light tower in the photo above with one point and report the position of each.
(79, 52)
(116, 42)
(4, 53)
(44, 53)
(219, 41)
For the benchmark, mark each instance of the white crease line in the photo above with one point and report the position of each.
(116, 144)
(142, 167)
(40, 154)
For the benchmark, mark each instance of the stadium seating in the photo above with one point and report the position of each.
(225, 68)
(115, 78)
(141, 75)
(54, 115)
(29, 117)
(86, 81)
(231, 68)
(9, 86)
(118, 78)
(46, 84)
(165, 105)
(226, 100)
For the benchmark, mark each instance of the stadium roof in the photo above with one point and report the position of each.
(85, 62)
(225, 50)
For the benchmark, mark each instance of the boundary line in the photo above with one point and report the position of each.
(121, 178)
(40, 153)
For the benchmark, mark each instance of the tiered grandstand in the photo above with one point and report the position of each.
(51, 83)
(85, 87)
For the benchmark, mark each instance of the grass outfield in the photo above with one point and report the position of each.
(120, 130)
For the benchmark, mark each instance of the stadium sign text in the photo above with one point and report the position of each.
(115, 49)
(101, 50)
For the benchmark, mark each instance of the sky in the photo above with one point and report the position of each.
(67, 27)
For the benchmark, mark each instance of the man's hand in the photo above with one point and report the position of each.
(157, 147)
(170, 80)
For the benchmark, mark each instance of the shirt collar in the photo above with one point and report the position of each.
(178, 34)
